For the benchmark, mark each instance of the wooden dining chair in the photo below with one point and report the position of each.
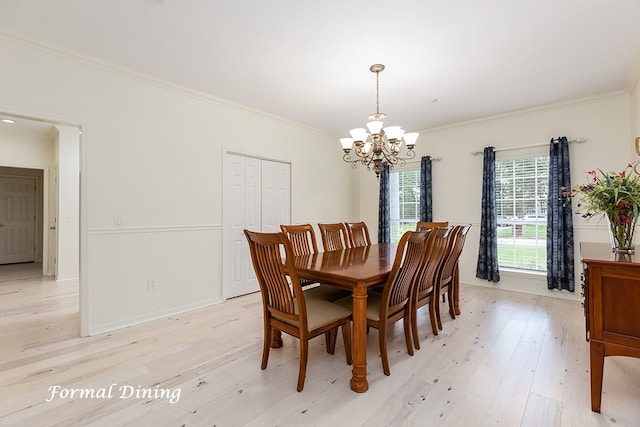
(334, 236)
(303, 241)
(425, 291)
(358, 234)
(285, 307)
(428, 225)
(383, 310)
(449, 280)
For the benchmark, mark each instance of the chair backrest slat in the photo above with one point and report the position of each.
(435, 257)
(406, 267)
(460, 234)
(334, 236)
(302, 238)
(358, 234)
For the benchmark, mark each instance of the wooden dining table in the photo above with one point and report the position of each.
(356, 269)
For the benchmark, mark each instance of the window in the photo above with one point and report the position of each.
(521, 206)
(404, 203)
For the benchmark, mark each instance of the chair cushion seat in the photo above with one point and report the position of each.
(374, 302)
(319, 313)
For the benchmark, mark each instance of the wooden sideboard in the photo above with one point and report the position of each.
(612, 308)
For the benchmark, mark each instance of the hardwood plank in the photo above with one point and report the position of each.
(542, 411)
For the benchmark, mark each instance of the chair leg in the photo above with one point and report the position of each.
(414, 327)
(451, 299)
(382, 338)
(433, 305)
(330, 340)
(304, 352)
(346, 337)
(437, 310)
(407, 332)
(266, 345)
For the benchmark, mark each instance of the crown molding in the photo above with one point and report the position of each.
(149, 79)
(526, 111)
(633, 78)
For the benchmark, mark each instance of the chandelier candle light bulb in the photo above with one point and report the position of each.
(378, 144)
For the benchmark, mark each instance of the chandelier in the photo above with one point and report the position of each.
(378, 144)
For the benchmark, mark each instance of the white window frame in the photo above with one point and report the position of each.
(519, 231)
(394, 201)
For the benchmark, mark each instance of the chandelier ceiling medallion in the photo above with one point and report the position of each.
(378, 144)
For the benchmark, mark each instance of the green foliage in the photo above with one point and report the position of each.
(615, 194)
(522, 257)
(400, 229)
(523, 251)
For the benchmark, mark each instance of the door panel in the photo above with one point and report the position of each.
(17, 220)
(242, 211)
(276, 200)
(257, 198)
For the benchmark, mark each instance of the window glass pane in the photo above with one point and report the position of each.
(521, 202)
(404, 190)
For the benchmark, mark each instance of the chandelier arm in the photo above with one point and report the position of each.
(359, 151)
(367, 161)
(347, 158)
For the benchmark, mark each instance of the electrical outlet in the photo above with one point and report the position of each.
(152, 285)
(117, 221)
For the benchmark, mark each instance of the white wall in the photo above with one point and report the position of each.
(635, 108)
(457, 188)
(25, 150)
(151, 155)
(68, 197)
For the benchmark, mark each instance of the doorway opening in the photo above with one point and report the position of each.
(39, 199)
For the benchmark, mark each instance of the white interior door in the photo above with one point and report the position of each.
(17, 220)
(257, 198)
(242, 210)
(276, 195)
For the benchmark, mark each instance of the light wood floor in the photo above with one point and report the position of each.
(510, 359)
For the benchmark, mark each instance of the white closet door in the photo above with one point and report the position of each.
(257, 198)
(243, 210)
(276, 195)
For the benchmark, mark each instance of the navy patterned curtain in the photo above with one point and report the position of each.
(384, 210)
(560, 268)
(426, 210)
(487, 267)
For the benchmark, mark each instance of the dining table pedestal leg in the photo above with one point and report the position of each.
(359, 382)
(276, 338)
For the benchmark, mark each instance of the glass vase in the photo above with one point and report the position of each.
(622, 235)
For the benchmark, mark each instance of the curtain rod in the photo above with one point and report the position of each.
(433, 159)
(571, 141)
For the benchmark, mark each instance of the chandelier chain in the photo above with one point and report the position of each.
(377, 92)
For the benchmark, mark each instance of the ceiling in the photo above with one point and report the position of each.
(308, 61)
